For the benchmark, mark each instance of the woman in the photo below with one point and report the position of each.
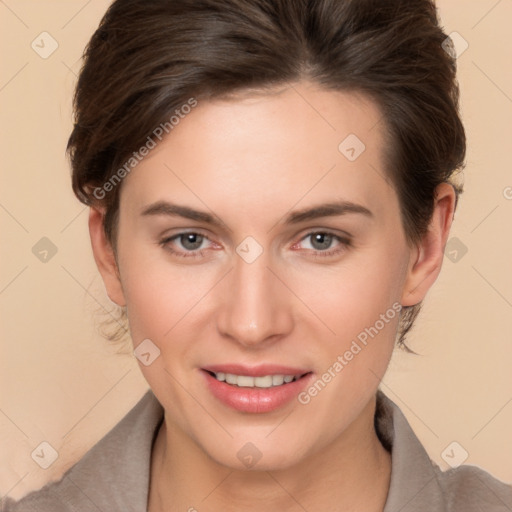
(271, 190)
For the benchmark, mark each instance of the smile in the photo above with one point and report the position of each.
(269, 388)
(247, 381)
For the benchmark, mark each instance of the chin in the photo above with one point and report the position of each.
(252, 453)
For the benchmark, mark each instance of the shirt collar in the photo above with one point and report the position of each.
(414, 485)
(122, 460)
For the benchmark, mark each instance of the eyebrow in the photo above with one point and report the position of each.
(176, 210)
(323, 210)
(327, 210)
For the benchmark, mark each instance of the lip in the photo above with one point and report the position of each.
(256, 371)
(255, 400)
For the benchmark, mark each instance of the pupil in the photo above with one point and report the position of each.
(191, 241)
(322, 241)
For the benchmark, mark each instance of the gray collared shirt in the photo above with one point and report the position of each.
(114, 474)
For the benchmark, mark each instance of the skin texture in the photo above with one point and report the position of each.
(250, 160)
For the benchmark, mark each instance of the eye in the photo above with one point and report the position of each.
(191, 241)
(186, 245)
(321, 243)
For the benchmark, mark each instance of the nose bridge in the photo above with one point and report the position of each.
(254, 308)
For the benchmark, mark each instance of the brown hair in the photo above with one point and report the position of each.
(149, 57)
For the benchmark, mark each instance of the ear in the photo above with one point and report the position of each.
(105, 257)
(427, 257)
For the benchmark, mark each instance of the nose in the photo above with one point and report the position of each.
(256, 308)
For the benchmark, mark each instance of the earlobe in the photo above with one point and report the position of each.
(427, 259)
(105, 257)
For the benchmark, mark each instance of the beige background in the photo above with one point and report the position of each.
(60, 382)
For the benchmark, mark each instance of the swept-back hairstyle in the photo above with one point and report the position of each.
(149, 57)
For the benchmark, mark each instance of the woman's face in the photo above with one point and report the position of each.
(258, 286)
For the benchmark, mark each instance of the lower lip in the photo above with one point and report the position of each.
(255, 400)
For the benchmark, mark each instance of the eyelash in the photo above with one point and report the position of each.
(188, 254)
(345, 243)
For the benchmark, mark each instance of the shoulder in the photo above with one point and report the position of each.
(469, 488)
(417, 483)
(51, 497)
(112, 475)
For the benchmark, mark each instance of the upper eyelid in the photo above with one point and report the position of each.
(171, 238)
(341, 236)
(342, 239)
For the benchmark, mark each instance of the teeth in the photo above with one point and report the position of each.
(277, 380)
(231, 379)
(245, 381)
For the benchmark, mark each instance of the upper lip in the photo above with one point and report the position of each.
(256, 371)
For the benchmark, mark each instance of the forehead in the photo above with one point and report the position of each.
(280, 148)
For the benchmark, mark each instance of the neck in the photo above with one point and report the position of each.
(352, 473)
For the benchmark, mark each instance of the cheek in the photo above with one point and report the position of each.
(161, 303)
(352, 296)
(165, 300)
(158, 296)
(360, 303)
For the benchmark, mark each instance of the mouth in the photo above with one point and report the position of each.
(248, 381)
(261, 389)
